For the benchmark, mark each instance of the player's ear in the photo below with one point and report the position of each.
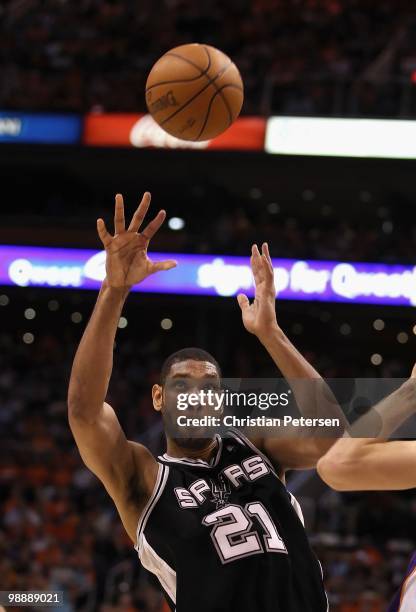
(157, 396)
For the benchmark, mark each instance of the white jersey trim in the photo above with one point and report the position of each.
(297, 508)
(322, 575)
(158, 566)
(196, 462)
(162, 476)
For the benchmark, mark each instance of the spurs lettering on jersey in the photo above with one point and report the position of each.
(250, 469)
(228, 528)
(233, 531)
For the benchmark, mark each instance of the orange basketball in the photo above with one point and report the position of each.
(194, 92)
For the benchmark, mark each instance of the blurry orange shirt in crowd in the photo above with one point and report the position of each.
(37, 475)
(62, 477)
(66, 530)
(165, 607)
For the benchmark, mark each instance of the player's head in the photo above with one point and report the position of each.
(189, 359)
(186, 371)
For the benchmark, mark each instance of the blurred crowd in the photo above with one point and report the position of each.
(58, 527)
(326, 237)
(314, 226)
(387, 238)
(296, 56)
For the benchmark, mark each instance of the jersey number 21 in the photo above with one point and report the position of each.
(232, 532)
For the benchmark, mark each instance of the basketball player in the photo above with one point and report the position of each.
(211, 518)
(371, 464)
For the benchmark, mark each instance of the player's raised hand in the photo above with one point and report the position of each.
(259, 317)
(127, 262)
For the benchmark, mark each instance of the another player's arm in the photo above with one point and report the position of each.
(364, 464)
(125, 468)
(259, 318)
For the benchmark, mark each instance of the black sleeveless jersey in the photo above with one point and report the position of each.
(227, 536)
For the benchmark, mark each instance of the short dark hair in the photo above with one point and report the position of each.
(194, 353)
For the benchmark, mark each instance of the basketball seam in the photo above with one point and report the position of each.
(218, 92)
(186, 59)
(227, 106)
(207, 115)
(210, 82)
(202, 72)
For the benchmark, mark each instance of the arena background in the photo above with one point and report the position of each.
(317, 58)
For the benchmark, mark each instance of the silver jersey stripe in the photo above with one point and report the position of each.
(322, 576)
(162, 476)
(196, 462)
(297, 508)
(158, 566)
(192, 462)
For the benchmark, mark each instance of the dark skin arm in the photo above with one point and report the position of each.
(259, 318)
(127, 469)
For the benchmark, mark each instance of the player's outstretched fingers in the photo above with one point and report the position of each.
(265, 251)
(255, 251)
(243, 301)
(160, 266)
(140, 213)
(151, 229)
(119, 223)
(267, 262)
(105, 237)
(255, 260)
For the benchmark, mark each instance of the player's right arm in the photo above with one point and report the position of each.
(127, 470)
(297, 448)
(355, 463)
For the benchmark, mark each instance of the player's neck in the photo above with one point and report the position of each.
(176, 450)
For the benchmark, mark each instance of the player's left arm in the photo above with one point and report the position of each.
(366, 465)
(355, 463)
(312, 395)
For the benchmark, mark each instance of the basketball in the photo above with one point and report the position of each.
(194, 92)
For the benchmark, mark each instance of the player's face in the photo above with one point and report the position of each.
(186, 378)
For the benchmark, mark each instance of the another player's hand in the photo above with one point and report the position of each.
(259, 318)
(127, 262)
